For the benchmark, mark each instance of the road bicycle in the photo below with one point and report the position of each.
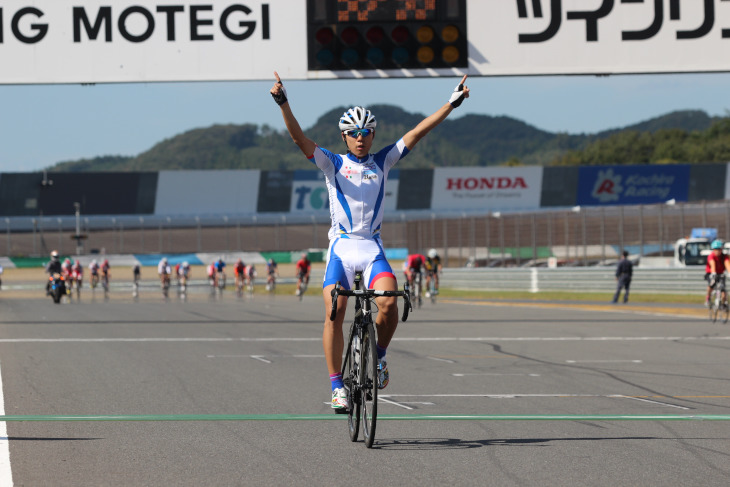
(165, 286)
(94, 281)
(360, 365)
(105, 285)
(221, 280)
(718, 305)
(416, 285)
(432, 292)
(303, 283)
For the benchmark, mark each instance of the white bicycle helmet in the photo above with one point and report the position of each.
(357, 118)
(432, 253)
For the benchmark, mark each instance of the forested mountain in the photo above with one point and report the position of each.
(471, 140)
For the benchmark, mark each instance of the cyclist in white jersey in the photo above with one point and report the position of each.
(356, 187)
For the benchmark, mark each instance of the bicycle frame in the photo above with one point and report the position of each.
(717, 302)
(362, 389)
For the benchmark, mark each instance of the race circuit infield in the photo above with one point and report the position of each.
(234, 391)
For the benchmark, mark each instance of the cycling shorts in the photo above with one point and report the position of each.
(347, 255)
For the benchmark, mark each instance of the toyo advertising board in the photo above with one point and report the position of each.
(309, 193)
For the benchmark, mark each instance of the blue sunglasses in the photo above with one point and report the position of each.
(358, 132)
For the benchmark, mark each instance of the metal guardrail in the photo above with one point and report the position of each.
(682, 280)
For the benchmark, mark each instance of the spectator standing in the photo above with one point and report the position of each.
(624, 270)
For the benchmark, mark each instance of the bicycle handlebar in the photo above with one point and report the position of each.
(371, 293)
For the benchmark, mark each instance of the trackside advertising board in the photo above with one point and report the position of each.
(632, 185)
(97, 41)
(496, 188)
(207, 192)
(309, 193)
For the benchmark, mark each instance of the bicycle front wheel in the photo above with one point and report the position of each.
(369, 385)
(714, 308)
(350, 378)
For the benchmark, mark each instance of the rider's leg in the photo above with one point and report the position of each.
(387, 320)
(333, 341)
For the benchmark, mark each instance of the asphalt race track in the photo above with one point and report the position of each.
(235, 392)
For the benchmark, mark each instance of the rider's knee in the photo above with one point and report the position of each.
(388, 306)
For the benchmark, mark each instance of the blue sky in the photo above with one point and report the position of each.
(44, 124)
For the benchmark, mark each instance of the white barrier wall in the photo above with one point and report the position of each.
(207, 192)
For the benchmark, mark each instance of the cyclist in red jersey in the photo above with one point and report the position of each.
(304, 267)
(717, 264)
(239, 270)
(67, 269)
(413, 265)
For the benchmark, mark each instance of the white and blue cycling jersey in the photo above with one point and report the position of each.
(356, 189)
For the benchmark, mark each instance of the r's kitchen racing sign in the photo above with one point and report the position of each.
(632, 185)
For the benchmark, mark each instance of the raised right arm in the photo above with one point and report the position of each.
(305, 144)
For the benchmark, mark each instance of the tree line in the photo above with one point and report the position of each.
(470, 140)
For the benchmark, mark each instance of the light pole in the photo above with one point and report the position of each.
(79, 237)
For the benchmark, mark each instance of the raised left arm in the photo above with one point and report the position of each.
(429, 123)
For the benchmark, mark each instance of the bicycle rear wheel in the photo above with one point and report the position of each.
(369, 385)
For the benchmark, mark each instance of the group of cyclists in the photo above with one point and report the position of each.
(73, 273)
(416, 265)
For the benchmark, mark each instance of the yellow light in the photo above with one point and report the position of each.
(425, 55)
(450, 54)
(450, 33)
(424, 34)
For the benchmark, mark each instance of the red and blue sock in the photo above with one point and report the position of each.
(381, 351)
(336, 380)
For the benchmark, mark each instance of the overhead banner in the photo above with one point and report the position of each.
(632, 185)
(97, 41)
(496, 188)
(90, 41)
(309, 193)
(530, 37)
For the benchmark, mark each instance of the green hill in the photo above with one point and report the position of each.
(470, 140)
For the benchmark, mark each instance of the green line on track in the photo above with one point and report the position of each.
(384, 417)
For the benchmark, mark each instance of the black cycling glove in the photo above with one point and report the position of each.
(280, 99)
(457, 97)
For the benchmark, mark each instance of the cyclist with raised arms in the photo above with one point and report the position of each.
(356, 186)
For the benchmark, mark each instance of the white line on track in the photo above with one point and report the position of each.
(6, 474)
(660, 403)
(442, 360)
(603, 361)
(400, 405)
(492, 375)
(402, 339)
(263, 356)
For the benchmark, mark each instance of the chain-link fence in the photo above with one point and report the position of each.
(577, 236)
